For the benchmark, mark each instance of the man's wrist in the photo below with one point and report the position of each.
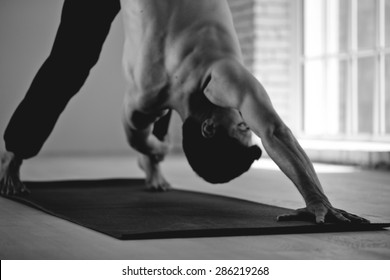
(316, 198)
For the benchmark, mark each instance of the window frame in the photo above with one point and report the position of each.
(351, 56)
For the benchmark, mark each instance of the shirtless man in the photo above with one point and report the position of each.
(184, 55)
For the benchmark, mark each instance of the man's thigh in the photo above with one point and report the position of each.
(84, 25)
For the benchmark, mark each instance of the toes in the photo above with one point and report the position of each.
(1, 186)
(151, 189)
(10, 186)
(25, 190)
(12, 190)
(153, 186)
(164, 187)
(21, 189)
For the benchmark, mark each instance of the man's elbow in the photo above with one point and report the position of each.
(132, 139)
(277, 131)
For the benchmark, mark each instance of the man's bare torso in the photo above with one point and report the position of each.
(170, 46)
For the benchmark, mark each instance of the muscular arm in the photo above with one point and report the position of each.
(147, 134)
(139, 132)
(236, 88)
(281, 145)
(233, 86)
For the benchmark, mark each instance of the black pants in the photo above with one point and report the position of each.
(83, 29)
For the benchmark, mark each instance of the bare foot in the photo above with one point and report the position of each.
(10, 183)
(155, 181)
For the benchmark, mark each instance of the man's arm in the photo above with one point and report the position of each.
(148, 134)
(139, 133)
(233, 86)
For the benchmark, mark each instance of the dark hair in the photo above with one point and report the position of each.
(218, 159)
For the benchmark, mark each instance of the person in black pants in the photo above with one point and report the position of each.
(83, 29)
(184, 55)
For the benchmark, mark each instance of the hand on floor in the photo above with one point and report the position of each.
(322, 213)
(10, 183)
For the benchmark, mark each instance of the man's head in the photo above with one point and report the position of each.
(217, 143)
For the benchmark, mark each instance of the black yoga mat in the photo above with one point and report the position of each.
(122, 208)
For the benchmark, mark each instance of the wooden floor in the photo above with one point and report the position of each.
(27, 233)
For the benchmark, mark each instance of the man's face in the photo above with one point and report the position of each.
(232, 121)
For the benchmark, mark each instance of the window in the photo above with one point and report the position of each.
(345, 62)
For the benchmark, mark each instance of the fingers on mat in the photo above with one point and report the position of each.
(320, 216)
(340, 217)
(354, 218)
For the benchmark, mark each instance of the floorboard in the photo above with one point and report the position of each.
(26, 233)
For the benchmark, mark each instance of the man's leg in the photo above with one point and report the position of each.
(160, 129)
(155, 180)
(83, 29)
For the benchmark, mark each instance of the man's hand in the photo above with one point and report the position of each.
(321, 213)
(10, 183)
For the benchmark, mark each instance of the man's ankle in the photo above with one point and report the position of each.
(11, 156)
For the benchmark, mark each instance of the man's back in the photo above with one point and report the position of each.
(170, 44)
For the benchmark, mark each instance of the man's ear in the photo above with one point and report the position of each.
(208, 128)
